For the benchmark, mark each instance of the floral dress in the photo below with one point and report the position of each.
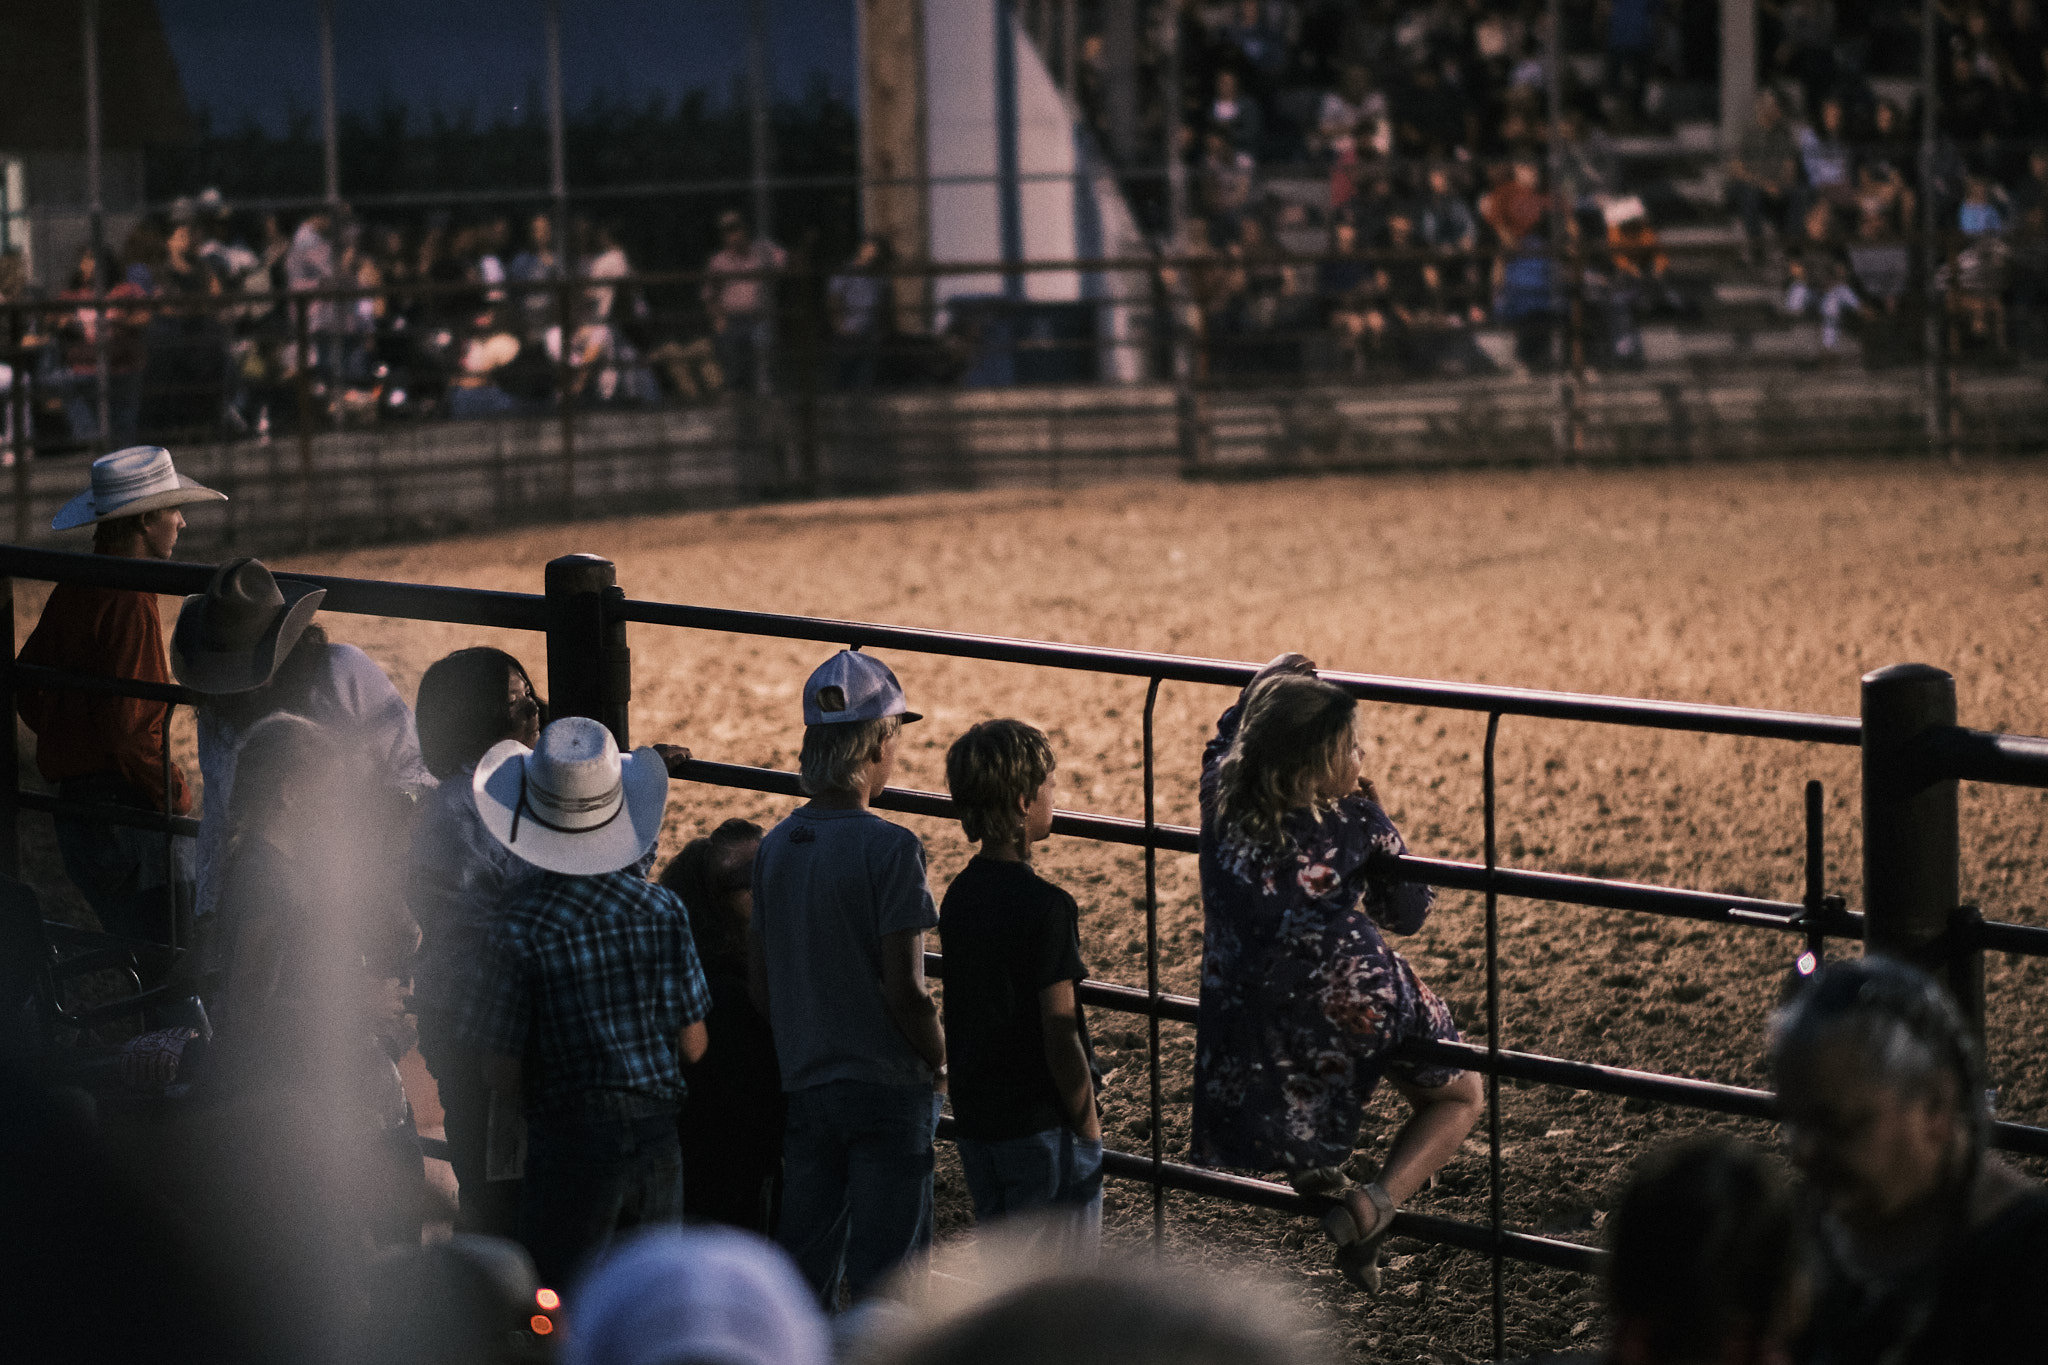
(1301, 997)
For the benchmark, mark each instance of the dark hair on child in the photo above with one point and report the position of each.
(704, 873)
(992, 770)
(1707, 1247)
(464, 707)
(1293, 729)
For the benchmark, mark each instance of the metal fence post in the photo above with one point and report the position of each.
(10, 744)
(590, 670)
(1911, 840)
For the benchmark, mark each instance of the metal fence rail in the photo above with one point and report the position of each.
(1911, 745)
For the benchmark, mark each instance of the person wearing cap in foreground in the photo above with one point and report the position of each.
(249, 642)
(836, 962)
(695, 1294)
(588, 997)
(106, 750)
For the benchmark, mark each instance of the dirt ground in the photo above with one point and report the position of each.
(1760, 586)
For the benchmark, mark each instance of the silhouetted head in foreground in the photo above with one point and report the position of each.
(1709, 1263)
(1026, 1308)
(1881, 1092)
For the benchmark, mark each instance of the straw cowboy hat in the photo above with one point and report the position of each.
(573, 803)
(128, 483)
(232, 637)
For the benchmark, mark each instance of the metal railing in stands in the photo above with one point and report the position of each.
(1913, 756)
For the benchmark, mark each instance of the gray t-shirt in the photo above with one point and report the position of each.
(829, 885)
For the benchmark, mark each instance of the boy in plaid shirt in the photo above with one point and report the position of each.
(589, 997)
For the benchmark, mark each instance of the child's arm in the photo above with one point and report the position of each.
(1060, 1023)
(693, 1042)
(909, 1003)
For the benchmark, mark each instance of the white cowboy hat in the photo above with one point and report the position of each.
(572, 803)
(128, 483)
(232, 637)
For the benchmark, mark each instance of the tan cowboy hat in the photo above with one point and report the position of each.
(572, 803)
(128, 483)
(232, 637)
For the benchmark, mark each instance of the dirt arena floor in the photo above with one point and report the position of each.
(1759, 586)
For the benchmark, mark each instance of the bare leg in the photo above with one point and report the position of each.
(1441, 1119)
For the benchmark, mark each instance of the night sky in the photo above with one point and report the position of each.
(240, 59)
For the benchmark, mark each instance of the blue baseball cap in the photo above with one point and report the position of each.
(851, 686)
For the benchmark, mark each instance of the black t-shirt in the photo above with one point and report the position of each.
(1008, 934)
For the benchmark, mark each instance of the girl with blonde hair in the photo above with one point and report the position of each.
(1302, 1000)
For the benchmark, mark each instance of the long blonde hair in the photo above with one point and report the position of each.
(1294, 730)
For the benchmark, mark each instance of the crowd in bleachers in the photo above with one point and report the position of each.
(200, 333)
(750, 1039)
(1428, 133)
(1374, 190)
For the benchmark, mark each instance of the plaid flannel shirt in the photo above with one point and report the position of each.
(590, 980)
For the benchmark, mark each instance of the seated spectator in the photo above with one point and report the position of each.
(1825, 158)
(1295, 1028)
(739, 291)
(1707, 1260)
(862, 311)
(1023, 1071)
(460, 880)
(1883, 196)
(1982, 212)
(1880, 264)
(538, 264)
(1259, 41)
(1235, 116)
(1351, 122)
(1763, 176)
(1817, 279)
(732, 1120)
(1445, 221)
(1973, 285)
(1348, 284)
(1590, 170)
(588, 998)
(1929, 1247)
(694, 1294)
(1527, 298)
(1223, 186)
(1516, 205)
(500, 375)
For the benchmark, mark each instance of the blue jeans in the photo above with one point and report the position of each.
(857, 1182)
(1052, 1173)
(612, 1163)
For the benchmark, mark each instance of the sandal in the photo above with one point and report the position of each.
(1358, 1249)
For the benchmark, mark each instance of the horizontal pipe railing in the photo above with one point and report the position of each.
(1594, 892)
(1266, 1194)
(1519, 701)
(1593, 1077)
(1987, 756)
(354, 596)
(35, 677)
(133, 817)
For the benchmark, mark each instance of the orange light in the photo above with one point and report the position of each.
(547, 1299)
(541, 1324)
